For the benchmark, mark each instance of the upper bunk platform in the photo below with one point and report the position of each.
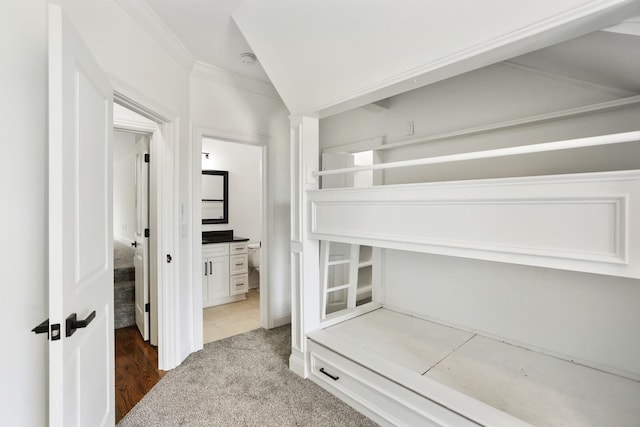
(573, 221)
(481, 380)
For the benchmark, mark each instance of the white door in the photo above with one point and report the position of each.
(141, 255)
(81, 375)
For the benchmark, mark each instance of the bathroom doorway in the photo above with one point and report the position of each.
(232, 269)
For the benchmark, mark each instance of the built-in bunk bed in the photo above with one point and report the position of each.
(402, 365)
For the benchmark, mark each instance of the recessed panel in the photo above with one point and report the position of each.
(296, 178)
(579, 229)
(93, 396)
(91, 109)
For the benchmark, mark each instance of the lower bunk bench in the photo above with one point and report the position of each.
(401, 370)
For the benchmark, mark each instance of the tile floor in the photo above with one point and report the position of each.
(223, 321)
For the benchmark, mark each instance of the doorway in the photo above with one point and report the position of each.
(136, 353)
(232, 279)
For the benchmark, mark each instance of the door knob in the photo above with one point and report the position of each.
(73, 323)
(134, 244)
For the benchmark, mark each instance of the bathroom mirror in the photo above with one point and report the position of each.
(215, 197)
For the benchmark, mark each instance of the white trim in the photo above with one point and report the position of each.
(281, 319)
(620, 93)
(574, 22)
(230, 78)
(296, 363)
(159, 31)
(592, 141)
(165, 177)
(133, 126)
(130, 98)
(266, 320)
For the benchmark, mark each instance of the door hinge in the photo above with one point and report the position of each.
(147, 307)
(146, 157)
(146, 232)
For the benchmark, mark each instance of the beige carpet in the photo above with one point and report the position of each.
(241, 381)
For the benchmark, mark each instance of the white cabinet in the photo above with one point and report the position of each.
(224, 273)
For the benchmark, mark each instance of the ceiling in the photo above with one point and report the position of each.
(206, 29)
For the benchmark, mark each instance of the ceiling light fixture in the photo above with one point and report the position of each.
(248, 58)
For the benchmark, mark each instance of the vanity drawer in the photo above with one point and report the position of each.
(238, 264)
(239, 284)
(238, 248)
(215, 249)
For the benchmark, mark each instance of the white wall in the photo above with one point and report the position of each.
(244, 164)
(583, 317)
(233, 114)
(124, 186)
(23, 185)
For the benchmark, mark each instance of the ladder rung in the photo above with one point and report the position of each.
(365, 264)
(339, 288)
(339, 262)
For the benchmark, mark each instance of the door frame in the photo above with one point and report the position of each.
(257, 140)
(162, 219)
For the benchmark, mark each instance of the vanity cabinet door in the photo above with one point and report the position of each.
(218, 279)
(215, 273)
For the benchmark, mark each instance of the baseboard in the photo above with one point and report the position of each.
(296, 363)
(281, 319)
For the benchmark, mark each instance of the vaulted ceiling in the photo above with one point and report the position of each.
(206, 29)
(332, 55)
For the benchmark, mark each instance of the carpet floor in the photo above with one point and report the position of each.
(241, 381)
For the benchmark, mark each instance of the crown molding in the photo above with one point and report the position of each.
(230, 78)
(159, 31)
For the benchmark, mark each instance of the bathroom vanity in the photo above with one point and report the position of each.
(225, 268)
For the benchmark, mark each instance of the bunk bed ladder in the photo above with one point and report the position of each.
(327, 263)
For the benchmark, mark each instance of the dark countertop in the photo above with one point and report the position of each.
(224, 236)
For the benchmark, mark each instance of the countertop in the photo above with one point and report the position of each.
(225, 236)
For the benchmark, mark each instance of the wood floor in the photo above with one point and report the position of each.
(136, 368)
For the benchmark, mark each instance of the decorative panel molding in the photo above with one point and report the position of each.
(576, 222)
